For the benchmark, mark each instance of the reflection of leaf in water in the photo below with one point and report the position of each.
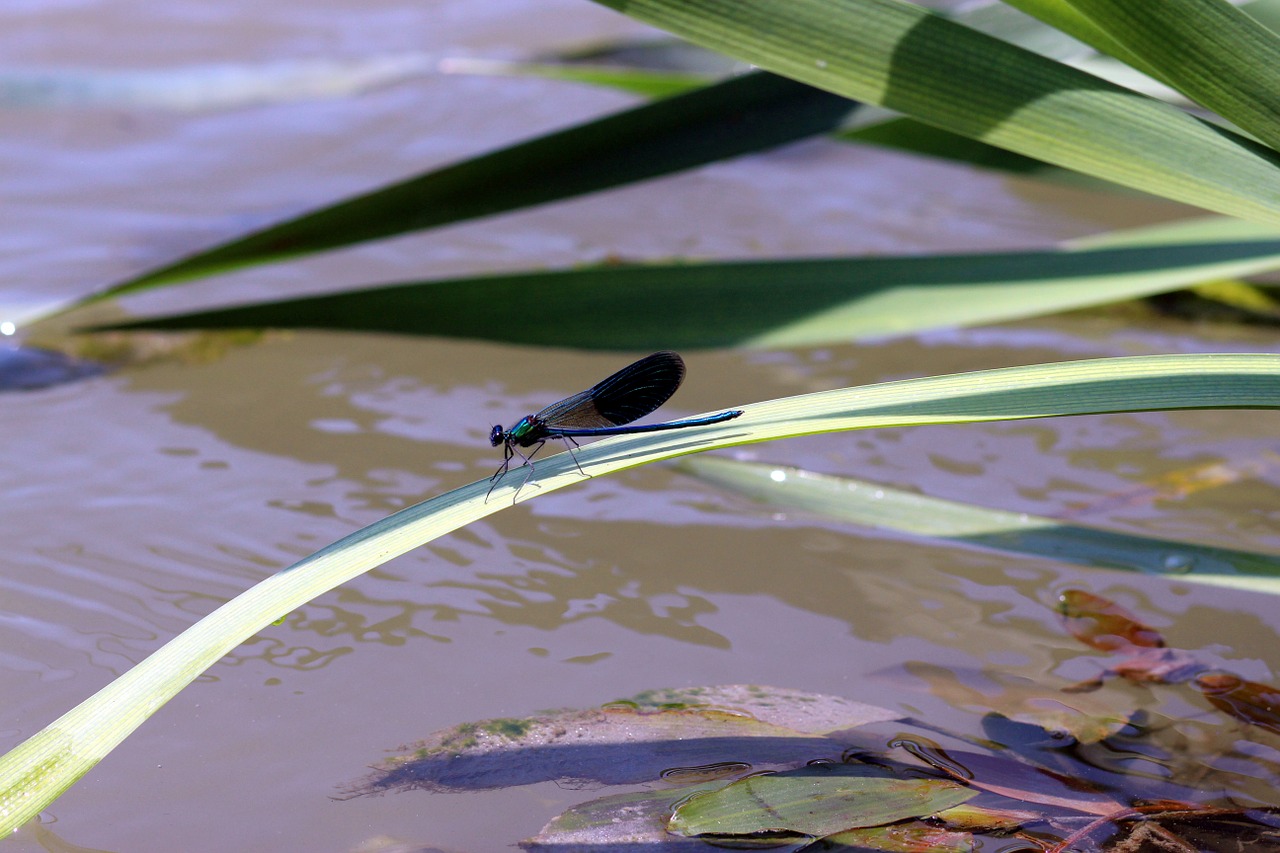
(1178, 485)
(879, 506)
(1087, 718)
(1015, 780)
(29, 368)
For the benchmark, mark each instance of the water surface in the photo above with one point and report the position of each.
(135, 502)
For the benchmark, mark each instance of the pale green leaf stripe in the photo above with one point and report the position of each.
(1203, 229)
(875, 505)
(919, 306)
(1062, 15)
(905, 58)
(1209, 50)
(34, 773)
(1265, 12)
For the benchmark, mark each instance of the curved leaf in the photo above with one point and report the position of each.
(758, 304)
(1209, 50)
(1062, 15)
(34, 773)
(738, 116)
(815, 802)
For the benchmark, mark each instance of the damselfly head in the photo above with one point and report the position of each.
(495, 435)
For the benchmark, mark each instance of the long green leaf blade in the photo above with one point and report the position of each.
(1209, 50)
(757, 304)
(1062, 15)
(903, 57)
(34, 773)
(737, 116)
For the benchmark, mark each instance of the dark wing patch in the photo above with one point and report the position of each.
(630, 394)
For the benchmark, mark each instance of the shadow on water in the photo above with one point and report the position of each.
(31, 368)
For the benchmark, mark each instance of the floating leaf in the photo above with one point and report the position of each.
(1250, 701)
(681, 736)
(1158, 666)
(816, 802)
(1013, 779)
(985, 818)
(635, 820)
(1102, 624)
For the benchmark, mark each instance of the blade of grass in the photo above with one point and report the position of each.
(684, 131)
(1204, 229)
(756, 304)
(1017, 533)
(35, 772)
(608, 67)
(906, 58)
(738, 116)
(879, 127)
(1209, 50)
(1062, 15)
(1265, 12)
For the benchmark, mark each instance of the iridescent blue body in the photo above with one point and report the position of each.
(606, 408)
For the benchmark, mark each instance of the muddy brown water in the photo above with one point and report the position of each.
(133, 503)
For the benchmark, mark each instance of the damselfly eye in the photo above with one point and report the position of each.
(495, 435)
